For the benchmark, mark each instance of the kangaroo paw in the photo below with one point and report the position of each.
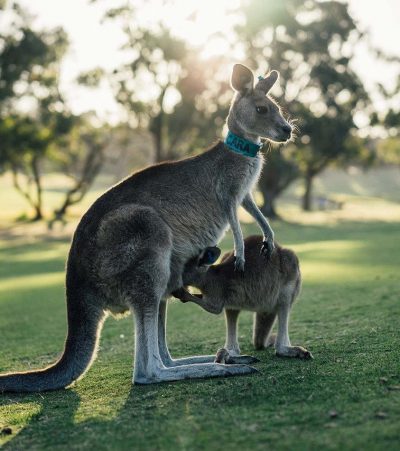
(223, 356)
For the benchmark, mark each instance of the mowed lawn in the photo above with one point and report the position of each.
(348, 316)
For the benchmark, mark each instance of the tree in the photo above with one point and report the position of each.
(388, 148)
(176, 104)
(29, 67)
(310, 44)
(79, 155)
(23, 145)
(278, 173)
(388, 151)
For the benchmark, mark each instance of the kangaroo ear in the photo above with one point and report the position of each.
(209, 256)
(265, 84)
(242, 79)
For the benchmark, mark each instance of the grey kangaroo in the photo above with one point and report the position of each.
(129, 249)
(266, 288)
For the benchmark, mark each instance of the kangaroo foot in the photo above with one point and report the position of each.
(294, 351)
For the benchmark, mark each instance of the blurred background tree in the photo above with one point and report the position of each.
(165, 88)
(79, 155)
(388, 149)
(36, 125)
(168, 90)
(31, 106)
(310, 43)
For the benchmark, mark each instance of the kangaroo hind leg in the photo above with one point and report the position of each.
(263, 323)
(283, 346)
(149, 367)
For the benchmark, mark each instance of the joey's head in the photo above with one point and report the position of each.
(253, 114)
(197, 267)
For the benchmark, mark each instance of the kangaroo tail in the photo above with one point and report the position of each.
(84, 325)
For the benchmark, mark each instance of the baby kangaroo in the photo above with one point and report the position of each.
(266, 288)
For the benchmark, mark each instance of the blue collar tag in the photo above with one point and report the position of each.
(241, 145)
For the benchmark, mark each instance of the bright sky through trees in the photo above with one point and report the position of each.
(97, 44)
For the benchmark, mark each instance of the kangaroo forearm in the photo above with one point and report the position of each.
(251, 207)
(237, 233)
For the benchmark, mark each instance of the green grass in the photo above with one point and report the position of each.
(348, 316)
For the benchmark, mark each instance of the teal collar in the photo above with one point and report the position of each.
(241, 145)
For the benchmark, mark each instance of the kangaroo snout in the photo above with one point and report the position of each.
(287, 130)
(283, 132)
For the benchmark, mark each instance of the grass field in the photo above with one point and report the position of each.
(348, 315)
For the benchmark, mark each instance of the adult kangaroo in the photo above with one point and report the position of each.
(130, 247)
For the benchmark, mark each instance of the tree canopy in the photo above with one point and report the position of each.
(311, 44)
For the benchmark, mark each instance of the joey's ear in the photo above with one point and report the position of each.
(242, 79)
(209, 256)
(265, 84)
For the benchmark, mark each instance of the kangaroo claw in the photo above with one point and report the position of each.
(267, 248)
(239, 264)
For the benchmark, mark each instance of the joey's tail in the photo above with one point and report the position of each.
(84, 325)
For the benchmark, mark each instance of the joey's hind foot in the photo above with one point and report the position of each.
(295, 351)
(304, 354)
(221, 356)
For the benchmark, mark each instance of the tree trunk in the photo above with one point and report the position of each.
(92, 165)
(268, 208)
(278, 173)
(158, 128)
(307, 196)
(38, 214)
(38, 184)
(34, 201)
(58, 215)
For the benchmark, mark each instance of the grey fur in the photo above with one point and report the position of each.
(130, 248)
(266, 288)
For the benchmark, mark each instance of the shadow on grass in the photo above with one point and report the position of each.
(177, 415)
(253, 410)
(150, 418)
(20, 259)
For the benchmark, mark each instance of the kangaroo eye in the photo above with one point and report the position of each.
(261, 109)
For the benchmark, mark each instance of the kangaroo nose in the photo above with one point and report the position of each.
(287, 129)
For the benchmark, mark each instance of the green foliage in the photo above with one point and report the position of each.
(80, 155)
(29, 59)
(22, 138)
(30, 68)
(183, 103)
(278, 173)
(91, 78)
(392, 120)
(309, 43)
(389, 151)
